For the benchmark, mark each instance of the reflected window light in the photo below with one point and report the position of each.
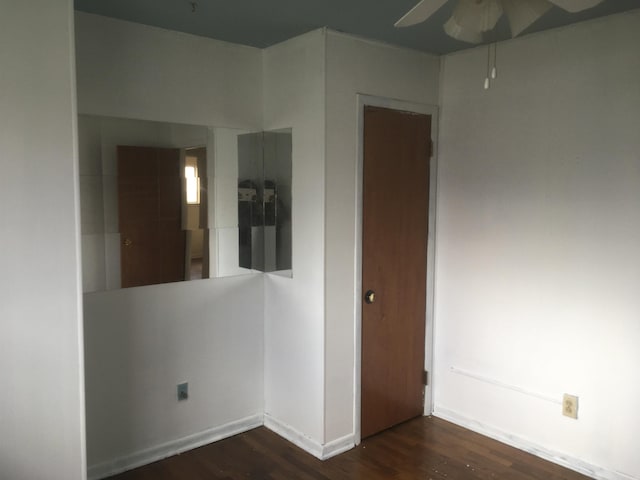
(193, 185)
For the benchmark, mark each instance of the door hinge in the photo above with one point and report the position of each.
(430, 148)
(425, 378)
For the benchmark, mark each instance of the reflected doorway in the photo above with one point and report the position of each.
(160, 215)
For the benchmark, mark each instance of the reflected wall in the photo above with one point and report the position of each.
(264, 200)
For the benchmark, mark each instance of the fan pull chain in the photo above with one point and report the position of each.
(487, 82)
(492, 70)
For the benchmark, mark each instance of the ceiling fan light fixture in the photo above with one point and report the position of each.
(454, 30)
(477, 15)
(471, 18)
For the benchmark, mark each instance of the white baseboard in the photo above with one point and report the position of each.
(294, 436)
(338, 446)
(567, 461)
(306, 443)
(174, 447)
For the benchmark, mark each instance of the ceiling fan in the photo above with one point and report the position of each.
(471, 18)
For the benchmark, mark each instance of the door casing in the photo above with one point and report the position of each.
(367, 100)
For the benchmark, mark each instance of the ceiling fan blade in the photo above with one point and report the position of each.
(420, 12)
(575, 5)
(522, 13)
(455, 30)
(477, 15)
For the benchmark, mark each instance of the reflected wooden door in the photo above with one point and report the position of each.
(152, 248)
(397, 150)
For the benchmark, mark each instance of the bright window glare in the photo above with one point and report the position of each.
(192, 185)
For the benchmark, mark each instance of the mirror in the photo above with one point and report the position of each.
(264, 200)
(171, 191)
(162, 221)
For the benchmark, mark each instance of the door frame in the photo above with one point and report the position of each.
(432, 110)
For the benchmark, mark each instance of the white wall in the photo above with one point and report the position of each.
(538, 266)
(136, 71)
(140, 342)
(41, 367)
(355, 66)
(294, 307)
(309, 378)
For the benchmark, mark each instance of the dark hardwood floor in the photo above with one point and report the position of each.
(425, 448)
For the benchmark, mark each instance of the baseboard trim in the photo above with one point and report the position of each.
(294, 436)
(174, 447)
(309, 445)
(338, 446)
(567, 461)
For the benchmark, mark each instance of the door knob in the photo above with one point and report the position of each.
(127, 242)
(370, 296)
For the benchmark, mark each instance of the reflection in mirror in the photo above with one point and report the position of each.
(264, 200)
(138, 225)
(196, 216)
(160, 196)
(200, 222)
(160, 228)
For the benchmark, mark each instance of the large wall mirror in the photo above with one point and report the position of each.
(164, 202)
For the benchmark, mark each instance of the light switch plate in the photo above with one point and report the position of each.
(183, 391)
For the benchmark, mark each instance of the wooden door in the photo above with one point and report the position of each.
(397, 150)
(152, 241)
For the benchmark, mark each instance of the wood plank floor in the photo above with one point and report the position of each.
(425, 448)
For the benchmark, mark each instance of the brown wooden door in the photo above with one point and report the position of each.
(152, 241)
(397, 148)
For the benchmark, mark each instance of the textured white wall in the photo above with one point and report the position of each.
(136, 71)
(141, 342)
(355, 66)
(538, 228)
(294, 307)
(41, 367)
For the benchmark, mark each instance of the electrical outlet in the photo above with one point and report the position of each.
(570, 406)
(183, 391)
